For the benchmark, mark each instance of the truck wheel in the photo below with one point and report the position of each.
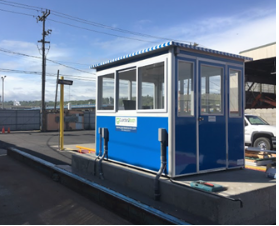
(263, 143)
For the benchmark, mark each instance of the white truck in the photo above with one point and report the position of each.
(258, 133)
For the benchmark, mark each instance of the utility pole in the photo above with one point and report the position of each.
(45, 33)
(56, 90)
(3, 77)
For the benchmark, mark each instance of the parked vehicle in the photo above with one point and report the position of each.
(258, 133)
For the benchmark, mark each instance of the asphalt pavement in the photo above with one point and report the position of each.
(45, 144)
(29, 197)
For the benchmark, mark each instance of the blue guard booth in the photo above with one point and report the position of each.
(195, 94)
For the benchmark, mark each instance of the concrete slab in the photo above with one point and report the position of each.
(244, 184)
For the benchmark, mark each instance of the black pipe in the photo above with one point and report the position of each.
(100, 149)
(105, 135)
(163, 138)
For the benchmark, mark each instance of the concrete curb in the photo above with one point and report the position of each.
(126, 207)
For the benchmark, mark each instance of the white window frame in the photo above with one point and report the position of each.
(103, 73)
(151, 61)
(117, 87)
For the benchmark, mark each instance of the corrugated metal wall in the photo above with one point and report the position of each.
(89, 120)
(20, 120)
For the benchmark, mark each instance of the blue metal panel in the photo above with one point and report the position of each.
(212, 134)
(236, 129)
(185, 132)
(140, 148)
(211, 57)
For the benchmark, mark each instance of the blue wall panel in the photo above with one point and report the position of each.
(140, 148)
(236, 141)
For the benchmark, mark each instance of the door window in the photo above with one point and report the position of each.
(185, 89)
(211, 90)
(234, 93)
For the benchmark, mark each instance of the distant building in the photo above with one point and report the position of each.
(260, 81)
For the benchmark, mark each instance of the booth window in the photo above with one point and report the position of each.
(185, 89)
(127, 90)
(106, 92)
(234, 93)
(211, 90)
(151, 86)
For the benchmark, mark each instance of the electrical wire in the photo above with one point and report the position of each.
(36, 57)
(92, 23)
(47, 74)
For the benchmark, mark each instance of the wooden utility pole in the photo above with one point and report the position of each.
(45, 33)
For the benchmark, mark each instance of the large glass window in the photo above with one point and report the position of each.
(211, 90)
(234, 93)
(127, 90)
(151, 86)
(185, 89)
(106, 92)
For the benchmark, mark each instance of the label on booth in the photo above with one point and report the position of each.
(212, 118)
(126, 124)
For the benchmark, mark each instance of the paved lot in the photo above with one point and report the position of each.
(29, 197)
(44, 145)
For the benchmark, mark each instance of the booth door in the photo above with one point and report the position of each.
(211, 117)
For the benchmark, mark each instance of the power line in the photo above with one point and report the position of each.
(36, 57)
(47, 74)
(56, 61)
(92, 23)
(119, 36)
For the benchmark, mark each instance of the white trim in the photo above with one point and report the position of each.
(114, 101)
(150, 62)
(171, 113)
(134, 114)
(131, 66)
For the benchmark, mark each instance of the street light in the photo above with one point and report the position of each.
(3, 77)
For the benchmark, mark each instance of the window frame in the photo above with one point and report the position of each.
(222, 113)
(161, 59)
(107, 72)
(194, 85)
(117, 87)
(240, 90)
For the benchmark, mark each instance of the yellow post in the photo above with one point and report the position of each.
(62, 115)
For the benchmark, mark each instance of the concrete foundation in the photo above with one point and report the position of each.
(257, 192)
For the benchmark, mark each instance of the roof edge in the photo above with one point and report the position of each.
(258, 47)
(168, 44)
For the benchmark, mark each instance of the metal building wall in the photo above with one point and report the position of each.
(89, 120)
(20, 120)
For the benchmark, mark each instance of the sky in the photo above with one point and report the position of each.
(86, 32)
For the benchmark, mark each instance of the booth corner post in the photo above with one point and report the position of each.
(62, 115)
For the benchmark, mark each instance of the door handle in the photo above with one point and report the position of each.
(200, 119)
